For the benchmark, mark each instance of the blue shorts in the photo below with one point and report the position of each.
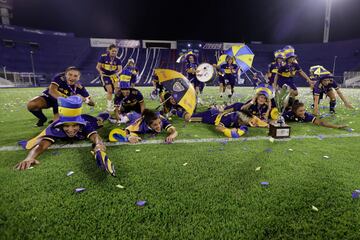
(230, 80)
(51, 102)
(288, 82)
(208, 116)
(198, 84)
(221, 79)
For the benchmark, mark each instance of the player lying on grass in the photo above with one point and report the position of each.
(149, 122)
(326, 85)
(297, 113)
(63, 85)
(72, 125)
(231, 124)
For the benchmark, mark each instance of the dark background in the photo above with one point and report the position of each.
(269, 21)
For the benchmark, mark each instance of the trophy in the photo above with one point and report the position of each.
(279, 129)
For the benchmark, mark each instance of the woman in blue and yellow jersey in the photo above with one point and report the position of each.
(274, 66)
(287, 72)
(229, 69)
(109, 66)
(64, 84)
(71, 125)
(149, 122)
(231, 124)
(129, 73)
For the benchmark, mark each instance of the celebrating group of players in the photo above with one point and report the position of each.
(65, 95)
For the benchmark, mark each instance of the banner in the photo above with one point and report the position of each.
(121, 43)
(213, 46)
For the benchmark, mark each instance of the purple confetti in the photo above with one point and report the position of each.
(264, 184)
(356, 194)
(321, 137)
(224, 142)
(79, 190)
(141, 203)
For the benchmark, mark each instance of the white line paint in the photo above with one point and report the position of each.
(201, 140)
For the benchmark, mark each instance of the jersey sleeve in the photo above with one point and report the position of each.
(165, 123)
(82, 91)
(309, 117)
(101, 59)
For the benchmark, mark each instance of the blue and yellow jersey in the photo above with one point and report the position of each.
(215, 117)
(287, 70)
(258, 110)
(227, 68)
(189, 66)
(52, 133)
(138, 126)
(109, 66)
(319, 88)
(131, 100)
(66, 90)
(128, 73)
(273, 70)
(291, 117)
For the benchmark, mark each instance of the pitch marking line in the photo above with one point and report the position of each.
(202, 140)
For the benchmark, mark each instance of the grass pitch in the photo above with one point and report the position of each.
(193, 191)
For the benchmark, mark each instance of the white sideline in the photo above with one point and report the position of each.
(201, 140)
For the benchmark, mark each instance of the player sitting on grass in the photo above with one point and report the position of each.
(326, 85)
(231, 124)
(170, 107)
(72, 125)
(63, 85)
(127, 100)
(297, 113)
(149, 122)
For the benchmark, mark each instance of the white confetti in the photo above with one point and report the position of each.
(120, 186)
(326, 156)
(137, 150)
(257, 169)
(315, 208)
(70, 173)
(271, 139)
(30, 167)
(290, 149)
(185, 164)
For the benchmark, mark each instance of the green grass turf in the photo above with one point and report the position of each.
(217, 195)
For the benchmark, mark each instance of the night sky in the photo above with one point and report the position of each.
(269, 21)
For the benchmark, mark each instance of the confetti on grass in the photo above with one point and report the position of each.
(70, 173)
(264, 184)
(79, 190)
(137, 150)
(268, 150)
(120, 186)
(257, 169)
(356, 194)
(141, 203)
(314, 208)
(290, 150)
(30, 167)
(185, 164)
(271, 139)
(327, 157)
